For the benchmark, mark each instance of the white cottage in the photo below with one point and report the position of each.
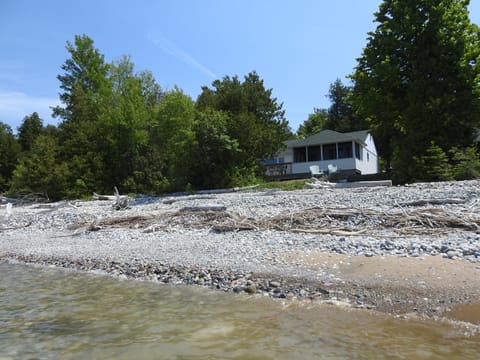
(351, 153)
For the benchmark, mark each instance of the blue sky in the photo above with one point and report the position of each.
(297, 47)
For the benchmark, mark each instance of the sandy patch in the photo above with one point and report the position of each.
(427, 271)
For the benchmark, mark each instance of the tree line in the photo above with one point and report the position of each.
(117, 127)
(416, 86)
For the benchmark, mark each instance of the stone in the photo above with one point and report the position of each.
(238, 289)
(453, 254)
(250, 289)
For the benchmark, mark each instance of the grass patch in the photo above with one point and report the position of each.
(287, 185)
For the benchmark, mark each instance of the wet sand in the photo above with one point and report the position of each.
(427, 285)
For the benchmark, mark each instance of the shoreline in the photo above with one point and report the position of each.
(395, 297)
(276, 243)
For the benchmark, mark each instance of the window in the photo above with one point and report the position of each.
(329, 151)
(358, 153)
(314, 153)
(345, 150)
(300, 154)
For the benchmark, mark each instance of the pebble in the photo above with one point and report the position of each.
(181, 253)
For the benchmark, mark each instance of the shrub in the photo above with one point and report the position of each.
(434, 166)
(466, 163)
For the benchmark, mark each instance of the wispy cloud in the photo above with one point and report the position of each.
(9, 71)
(170, 48)
(14, 106)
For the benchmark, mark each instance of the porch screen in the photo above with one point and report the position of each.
(329, 151)
(345, 150)
(300, 154)
(314, 153)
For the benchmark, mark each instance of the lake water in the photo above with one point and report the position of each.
(50, 313)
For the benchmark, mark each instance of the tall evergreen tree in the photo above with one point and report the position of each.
(9, 151)
(341, 115)
(85, 84)
(256, 121)
(29, 130)
(417, 80)
(40, 171)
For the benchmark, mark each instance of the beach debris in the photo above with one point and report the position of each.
(323, 221)
(425, 202)
(322, 184)
(121, 202)
(8, 211)
(203, 208)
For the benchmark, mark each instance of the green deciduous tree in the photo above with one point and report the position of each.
(213, 152)
(172, 137)
(124, 113)
(417, 79)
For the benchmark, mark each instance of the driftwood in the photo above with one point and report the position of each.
(52, 207)
(121, 201)
(203, 208)
(24, 199)
(135, 221)
(187, 198)
(426, 202)
(319, 184)
(15, 227)
(322, 221)
(6, 200)
(103, 197)
(224, 191)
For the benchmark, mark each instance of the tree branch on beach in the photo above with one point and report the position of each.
(324, 221)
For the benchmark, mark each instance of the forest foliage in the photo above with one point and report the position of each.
(416, 86)
(118, 127)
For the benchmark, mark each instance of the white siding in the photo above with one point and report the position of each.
(366, 164)
(369, 160)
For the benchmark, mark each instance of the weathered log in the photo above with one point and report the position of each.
(356, 184)
(224, 191)
(203, 208)
(121, 202)
(425, 202)
(103, 197)
(15, 227)
(187, 198)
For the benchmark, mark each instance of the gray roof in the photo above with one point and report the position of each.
(329, 136)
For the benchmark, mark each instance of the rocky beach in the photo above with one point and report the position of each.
(404, 250)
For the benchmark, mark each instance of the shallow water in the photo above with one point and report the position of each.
(50, 313)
